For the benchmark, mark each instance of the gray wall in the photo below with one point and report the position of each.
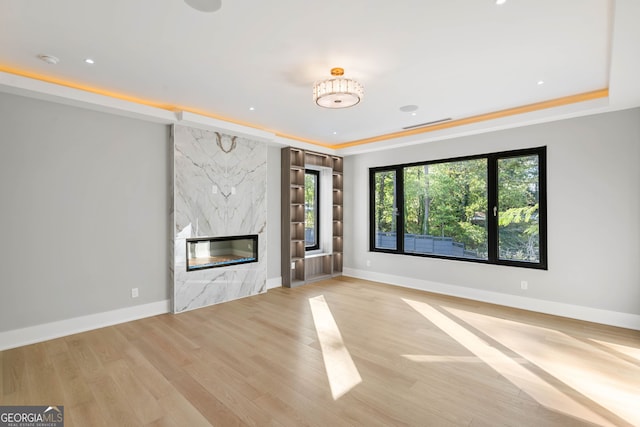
(593, 211)
(85, 211)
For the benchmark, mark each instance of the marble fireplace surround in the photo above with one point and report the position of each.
(219, 189)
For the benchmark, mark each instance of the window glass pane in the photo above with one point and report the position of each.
(445, 209)
(311, 205)
(385, 211)
(518, 205)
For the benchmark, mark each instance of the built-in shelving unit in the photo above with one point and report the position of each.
(303, 268)
(337, 213)
(292, 217)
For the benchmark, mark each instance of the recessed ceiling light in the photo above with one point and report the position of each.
(499, 2)
(335, 133)
(414, 114)
(252, 108)
(49, 59)
(89, 61)
(540, 82)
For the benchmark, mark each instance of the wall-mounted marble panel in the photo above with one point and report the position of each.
(219, 190)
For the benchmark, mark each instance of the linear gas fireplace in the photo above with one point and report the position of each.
(212, 252)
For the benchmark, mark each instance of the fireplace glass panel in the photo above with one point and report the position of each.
(211, 252)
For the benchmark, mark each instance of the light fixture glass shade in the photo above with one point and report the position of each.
(337, 92)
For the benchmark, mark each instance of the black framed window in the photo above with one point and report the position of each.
(488, 208)
(312, 209)
(384, 184)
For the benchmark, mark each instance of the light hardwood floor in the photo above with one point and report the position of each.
(340, 352)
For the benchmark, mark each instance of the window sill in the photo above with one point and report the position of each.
(316, 254)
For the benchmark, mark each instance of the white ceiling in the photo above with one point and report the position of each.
(451, 58)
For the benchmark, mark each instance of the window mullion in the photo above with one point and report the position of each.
(542, 176)
(372, 210)
(400, 209)
(492, 208)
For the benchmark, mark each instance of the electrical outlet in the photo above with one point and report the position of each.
(524, 285)
(134, 292)
(368, 263)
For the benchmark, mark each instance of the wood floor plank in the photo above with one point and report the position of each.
(262, 361)
(86, 414)
(165, 421)
(84, 356)
(138, 396)
(75, 388)
(179, 411)
(234, 393)
(14, 377)
(152, 379)
(46, 389)
(205, 402)
(114, 404)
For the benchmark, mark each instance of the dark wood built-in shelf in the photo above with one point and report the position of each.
(297, 268)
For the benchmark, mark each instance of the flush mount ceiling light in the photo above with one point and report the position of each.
(337, 92)
(205, 5)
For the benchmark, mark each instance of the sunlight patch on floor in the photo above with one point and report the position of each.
(543, 392)
(597, 377)
(629, 351)
(341, 371)
(423, 358)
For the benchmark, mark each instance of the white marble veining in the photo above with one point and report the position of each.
(219, 190)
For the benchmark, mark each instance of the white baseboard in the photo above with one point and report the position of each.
(275, 282)
(61, 328)
(589, 314)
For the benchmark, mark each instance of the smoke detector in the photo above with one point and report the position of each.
(49, 59)
(205, 5)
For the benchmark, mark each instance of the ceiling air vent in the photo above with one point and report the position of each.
(427, 124)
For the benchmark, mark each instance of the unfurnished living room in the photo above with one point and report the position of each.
(344, 213)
